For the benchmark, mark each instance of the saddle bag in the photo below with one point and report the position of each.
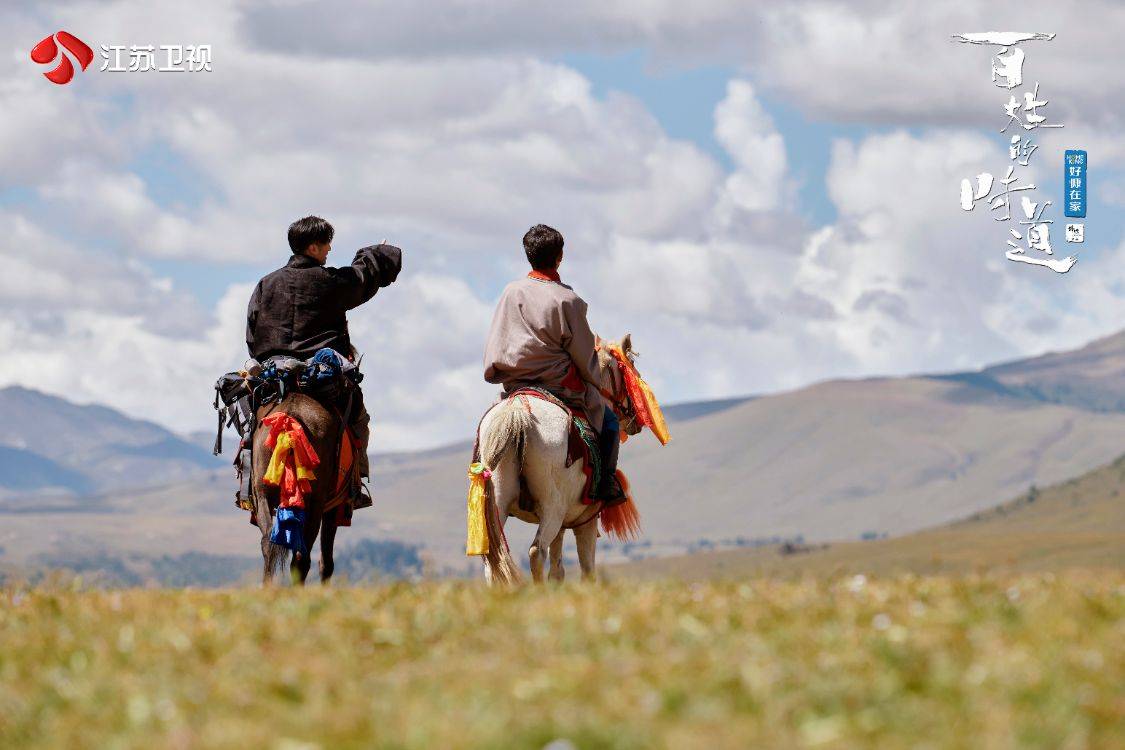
(234, 403)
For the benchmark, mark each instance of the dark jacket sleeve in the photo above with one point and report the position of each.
(252, 317)
(374, 267)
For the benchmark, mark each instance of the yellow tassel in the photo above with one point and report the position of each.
(276, 468)
(659, 427)
(477, 541)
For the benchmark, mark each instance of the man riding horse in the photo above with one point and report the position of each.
(540, 338)
(304, 460)
(302, 307)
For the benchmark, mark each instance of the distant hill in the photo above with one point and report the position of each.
(1077, 523)
(833, 461)
(690, 410)
(1092, 377)
(419, 498)
(52, 446)
(839, 459)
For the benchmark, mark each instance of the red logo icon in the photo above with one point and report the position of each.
(47, 51)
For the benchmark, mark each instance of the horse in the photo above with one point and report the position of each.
(528, 437)
(324, 429)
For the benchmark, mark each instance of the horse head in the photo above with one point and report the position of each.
(621, 402)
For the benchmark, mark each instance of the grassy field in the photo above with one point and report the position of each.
(1036, 660)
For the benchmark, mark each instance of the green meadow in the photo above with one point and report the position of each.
(1029, 660)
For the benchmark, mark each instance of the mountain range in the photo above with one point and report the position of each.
(837, 460)
(54, 447)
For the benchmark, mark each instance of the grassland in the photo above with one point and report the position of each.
(1008, 661)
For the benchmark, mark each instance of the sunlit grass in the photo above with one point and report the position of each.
(1035, 661)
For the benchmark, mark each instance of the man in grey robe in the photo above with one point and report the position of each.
(540, 337)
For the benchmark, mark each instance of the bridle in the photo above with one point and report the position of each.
(621, 404)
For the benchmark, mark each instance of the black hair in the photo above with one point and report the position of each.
(543, 246)
(308, 231)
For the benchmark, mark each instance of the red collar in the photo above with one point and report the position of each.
(545, 276)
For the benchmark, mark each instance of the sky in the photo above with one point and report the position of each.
(764, 195)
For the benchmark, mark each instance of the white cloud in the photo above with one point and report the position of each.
(423, 340)
(870, 62)
(454, 151)
(896, 63)
(750, 137)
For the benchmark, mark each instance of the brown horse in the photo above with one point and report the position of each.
(323, 428)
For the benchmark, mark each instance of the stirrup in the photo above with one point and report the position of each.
(610, 492)
(361, 497)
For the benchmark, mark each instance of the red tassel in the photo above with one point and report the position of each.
(622, 521)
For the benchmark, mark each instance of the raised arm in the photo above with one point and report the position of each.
(374, 267)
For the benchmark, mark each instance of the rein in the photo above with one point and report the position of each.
(622, 405)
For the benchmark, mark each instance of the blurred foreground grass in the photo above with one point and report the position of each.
(1035, 661)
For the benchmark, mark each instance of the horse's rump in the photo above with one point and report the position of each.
(328, 437)
(582, 444)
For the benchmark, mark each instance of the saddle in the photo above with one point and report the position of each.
(327, 377)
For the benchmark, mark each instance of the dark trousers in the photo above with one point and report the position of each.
(609, 443)
(360, 422)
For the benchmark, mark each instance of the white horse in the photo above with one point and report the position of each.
(529, 437)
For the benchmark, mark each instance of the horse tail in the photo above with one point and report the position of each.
(508, 430)
(500, 561)
(277, 558)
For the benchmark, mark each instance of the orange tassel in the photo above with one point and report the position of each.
(644, 402)
(622, 521)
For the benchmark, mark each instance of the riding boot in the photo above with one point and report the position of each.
(361, 428)
(609, 489)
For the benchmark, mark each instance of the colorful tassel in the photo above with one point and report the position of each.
(477, 540)
(288, 529)
(622, 521)
(643, 399)
(293, 460)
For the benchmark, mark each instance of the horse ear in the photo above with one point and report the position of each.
(627, 343)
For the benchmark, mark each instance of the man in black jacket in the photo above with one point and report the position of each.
(302, 307)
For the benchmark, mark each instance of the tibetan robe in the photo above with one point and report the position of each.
(540, 336)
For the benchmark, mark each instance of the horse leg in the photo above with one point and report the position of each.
(550, 525)
(557, 573)
(302, 562)
(586, 536)
(272, 554)
(267, 551)
(327, 540)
